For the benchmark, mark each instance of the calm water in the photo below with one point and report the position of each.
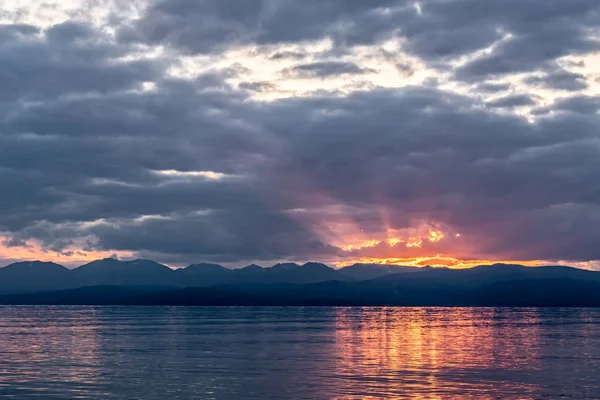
(287, 353)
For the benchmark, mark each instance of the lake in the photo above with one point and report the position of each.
(51, 352)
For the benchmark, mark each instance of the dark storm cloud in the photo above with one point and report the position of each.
(197, 169)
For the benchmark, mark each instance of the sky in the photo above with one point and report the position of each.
(443, 132)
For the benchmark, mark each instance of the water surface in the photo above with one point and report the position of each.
(298, 353)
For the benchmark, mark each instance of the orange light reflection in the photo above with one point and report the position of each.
(424, 352)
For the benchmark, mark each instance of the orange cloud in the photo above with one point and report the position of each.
(428, 243)
(71, 256)
(435, 262)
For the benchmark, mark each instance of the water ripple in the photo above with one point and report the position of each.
(298, 353)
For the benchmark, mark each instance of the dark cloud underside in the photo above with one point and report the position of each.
(104, 145)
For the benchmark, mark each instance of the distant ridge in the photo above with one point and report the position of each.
(35, 275)
(203, 274)
(149, 282)
(370, 271)
(110, 271)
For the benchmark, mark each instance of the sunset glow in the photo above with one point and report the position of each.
(71, 256)
(283, 131)
(325, 199)
(438, 262)
(432, 236)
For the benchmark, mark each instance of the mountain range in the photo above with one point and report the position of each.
(146, 282)
(36, 275)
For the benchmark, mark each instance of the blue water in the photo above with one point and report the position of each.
(298, 353)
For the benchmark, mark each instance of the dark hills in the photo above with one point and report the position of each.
(114, 272)
(145, 282)
(371, 271)
(35, 276)
(203, 274)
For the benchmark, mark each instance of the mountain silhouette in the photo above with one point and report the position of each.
(486, 274)
(362, 272)
(285, 267)
(308, 273)
(110, 271)
(213, 274)
(203, 274)
(251, 273)
(34, 275)
(111, 281)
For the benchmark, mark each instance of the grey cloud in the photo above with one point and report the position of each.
(540, 32)
(35, 68)
(282, 55)
(436, 42)
(261, 235)
(579, 104)
(324, 69)
(492, 87)
(510, 101)
(16, 32)
(196, 26)
(422, 151)
(257, 86)
(206, 26)
(81, 143)
(560, 79)
(67, 32)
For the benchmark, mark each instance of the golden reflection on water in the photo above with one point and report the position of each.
(436, 353)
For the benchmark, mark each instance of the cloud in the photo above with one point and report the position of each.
(493, 87)
(324, 69)
(210, 26)
(257, 86)
(315, 153)
(560, 79)
(176, 135)
(517, 100)
(579, 104)
(524, 35)
(531, 35)
(282, 55)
